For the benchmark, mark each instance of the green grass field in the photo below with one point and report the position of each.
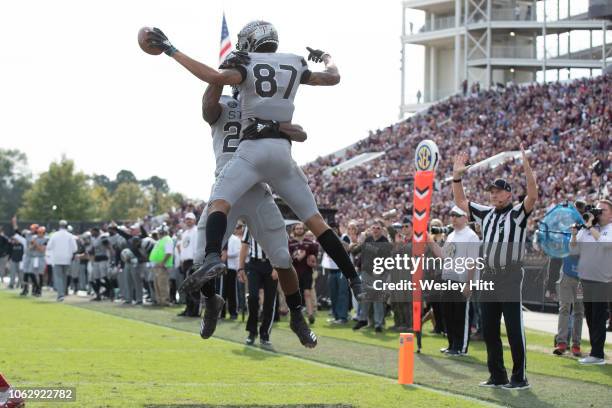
(119, 356)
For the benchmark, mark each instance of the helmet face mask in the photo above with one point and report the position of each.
(255, 34)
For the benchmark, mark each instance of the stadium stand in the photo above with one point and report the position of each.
(567, 126)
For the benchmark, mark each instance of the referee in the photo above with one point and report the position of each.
(503, 242)
(260, 275)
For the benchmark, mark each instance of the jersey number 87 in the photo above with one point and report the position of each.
(265, 74)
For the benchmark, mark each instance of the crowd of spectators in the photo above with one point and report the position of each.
(567, 127)
(108, 261)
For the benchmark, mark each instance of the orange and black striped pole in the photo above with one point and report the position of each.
(426, 161)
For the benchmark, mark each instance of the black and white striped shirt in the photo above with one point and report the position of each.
(255, 250)
(503, 233)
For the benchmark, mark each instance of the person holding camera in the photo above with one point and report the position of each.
(594, 245)
(461, 244)
(570, 300)
(504, 228)
(435, 310)
(376, 236)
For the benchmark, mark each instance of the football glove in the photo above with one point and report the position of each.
(315, 56)
(158, 39)
(234, 59)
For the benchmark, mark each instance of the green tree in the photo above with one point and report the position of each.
(156, 183)
(15, 180)
(125, 176)
(103, 181)
(178, 198)
(101, 202)
(59, 193)
(128, 202)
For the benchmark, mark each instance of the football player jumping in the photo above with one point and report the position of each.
(256, 207)
(268, 83)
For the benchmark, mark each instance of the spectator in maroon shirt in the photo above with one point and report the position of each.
(304, 253)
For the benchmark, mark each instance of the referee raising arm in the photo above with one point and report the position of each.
(503, 242)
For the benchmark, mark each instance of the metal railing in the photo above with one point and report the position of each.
(512, 51)
(513, 14)
(440, 23)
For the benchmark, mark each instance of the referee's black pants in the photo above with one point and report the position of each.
(229, 291)
(259, 275)
(456, 313)
(508, 285)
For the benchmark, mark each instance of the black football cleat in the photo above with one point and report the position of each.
(213, 308)
(212, 267)
(299, 326)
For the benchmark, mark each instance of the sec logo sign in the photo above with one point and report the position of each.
(427, 156)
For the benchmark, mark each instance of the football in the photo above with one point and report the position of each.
(143, 34)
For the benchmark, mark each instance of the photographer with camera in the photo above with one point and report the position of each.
(570, 300)
(434, 309)
(593, 242)
(463, 243)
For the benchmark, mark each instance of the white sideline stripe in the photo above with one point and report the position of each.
(466, 326)
(303, 360)
(523, 329)
(273, 313)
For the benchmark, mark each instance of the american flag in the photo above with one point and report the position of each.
(226, 43)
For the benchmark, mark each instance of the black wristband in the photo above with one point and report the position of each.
(456, 180)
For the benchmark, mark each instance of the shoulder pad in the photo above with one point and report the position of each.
(234, 59)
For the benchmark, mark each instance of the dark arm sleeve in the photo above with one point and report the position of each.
(305, 76)
(478, 211)
(519, 215)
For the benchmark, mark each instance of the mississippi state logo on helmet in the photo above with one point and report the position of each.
(427, 156)
(255, 34)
